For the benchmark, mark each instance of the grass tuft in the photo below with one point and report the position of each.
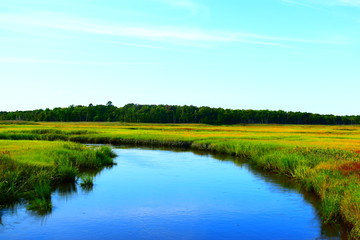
(87, 182)
(34, 167)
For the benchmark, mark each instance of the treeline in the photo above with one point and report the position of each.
(136, 113)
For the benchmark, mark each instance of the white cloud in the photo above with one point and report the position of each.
(57, 61)
(351, 3)
(86, 26)
(187, 5)
(179, 36)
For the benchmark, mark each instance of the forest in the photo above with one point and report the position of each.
(137, 113)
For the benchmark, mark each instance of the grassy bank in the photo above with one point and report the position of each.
(324, 159)
(30, 169)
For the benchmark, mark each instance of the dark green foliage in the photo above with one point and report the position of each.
(16, 180)
(105, 154)
(135, 113)
(67, 173)
(43, 189)
(87, 183)
(40, 206)
(34, 183)
(76, 156)
(45, 134)
(24, 182)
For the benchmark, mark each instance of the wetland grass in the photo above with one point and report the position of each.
(324, 159)
(87, 182)
(30, 169)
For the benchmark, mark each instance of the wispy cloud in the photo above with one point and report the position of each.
(66, 23)
(308, 3)
(173, 35)
(188, 5)
(355, 3)
(57, 61)
(298, 3)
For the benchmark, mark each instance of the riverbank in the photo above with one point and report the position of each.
(30, 169)
(324, 159)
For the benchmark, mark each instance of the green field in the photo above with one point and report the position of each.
(324, 159)
(30, 169)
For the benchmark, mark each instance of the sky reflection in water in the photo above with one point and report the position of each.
(157, 194)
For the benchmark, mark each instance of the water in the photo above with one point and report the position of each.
(158, 194)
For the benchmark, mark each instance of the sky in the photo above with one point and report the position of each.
(292, 55)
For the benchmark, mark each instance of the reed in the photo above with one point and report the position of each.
(29, 169)
(87, 182)
(324, 159)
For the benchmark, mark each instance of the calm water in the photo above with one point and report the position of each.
(157, 194)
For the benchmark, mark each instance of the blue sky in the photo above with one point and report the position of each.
(294, 55)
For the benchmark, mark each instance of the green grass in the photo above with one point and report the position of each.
(40, 197)
(87, 182)
(29, 169)
(324, 159)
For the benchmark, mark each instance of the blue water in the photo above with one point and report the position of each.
(158, 194)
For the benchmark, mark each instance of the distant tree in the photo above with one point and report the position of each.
(174, 114)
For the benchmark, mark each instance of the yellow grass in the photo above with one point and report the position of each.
(34, 152)
(334, 137)
(325, 159)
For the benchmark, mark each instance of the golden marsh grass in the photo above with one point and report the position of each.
(324, 159)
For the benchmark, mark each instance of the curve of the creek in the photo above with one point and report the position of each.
(169, 194)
